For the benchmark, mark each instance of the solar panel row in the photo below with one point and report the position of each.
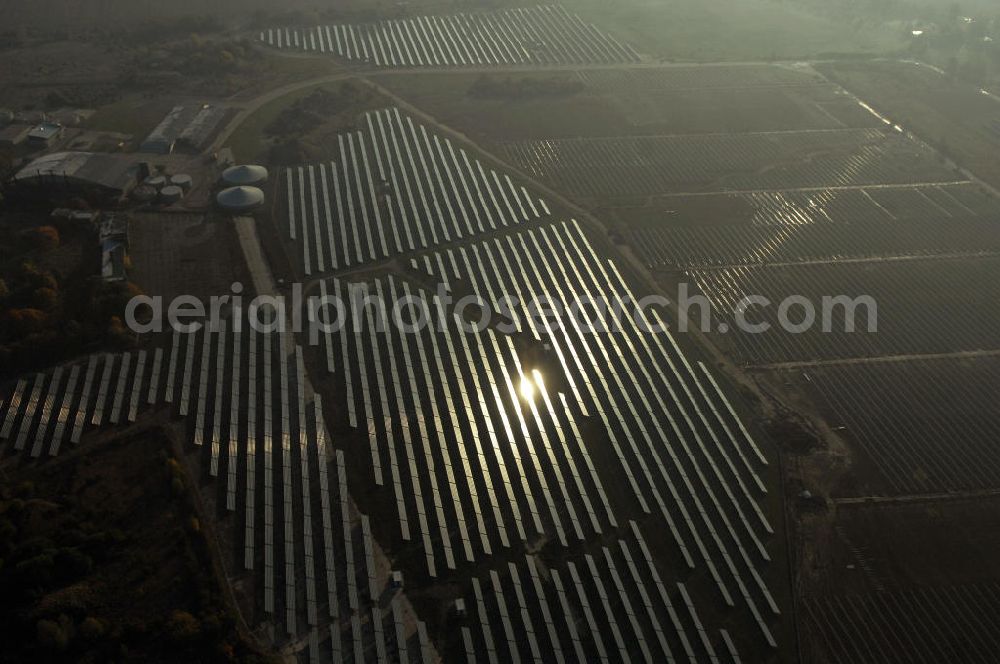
(608, 593)
(510, 37)
(419, 191)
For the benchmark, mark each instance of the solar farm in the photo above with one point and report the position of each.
(479, 469)
(822, 225)
(914, 448)
(532, 473)
(244, 402)
(916, 315)
(806, 190)
(405, 189)
(429, 482)
(642, 166)
(544, 35)
(538, 479)
(910, 618)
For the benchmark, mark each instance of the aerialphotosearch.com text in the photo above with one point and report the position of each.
(411, 313)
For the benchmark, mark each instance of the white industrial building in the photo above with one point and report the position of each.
(187, 127)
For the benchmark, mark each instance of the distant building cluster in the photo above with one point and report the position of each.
(185, 128)
(40, 135)
(39, 128)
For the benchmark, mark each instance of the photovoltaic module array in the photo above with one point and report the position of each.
(546, 35)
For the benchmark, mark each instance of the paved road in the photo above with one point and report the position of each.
(260, 273)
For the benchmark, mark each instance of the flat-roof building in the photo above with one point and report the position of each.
(45, 132)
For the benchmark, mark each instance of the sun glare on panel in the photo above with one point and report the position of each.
(527, 389)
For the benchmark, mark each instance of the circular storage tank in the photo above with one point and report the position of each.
(171, 194)
(157, 182)
(144, 194)
(182, 181)
(246, 175)
(239, 199)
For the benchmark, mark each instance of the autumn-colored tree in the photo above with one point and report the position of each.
(92, 628)
(51, 636)
(45, 299)
(26, 320)
(182, 626)
(29, 274)
(43, 238)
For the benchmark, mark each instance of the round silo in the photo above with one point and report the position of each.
(157, 182)
(183, 181)
(171, 194)
(144, 194)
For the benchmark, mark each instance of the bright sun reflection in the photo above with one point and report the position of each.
(527, 389)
